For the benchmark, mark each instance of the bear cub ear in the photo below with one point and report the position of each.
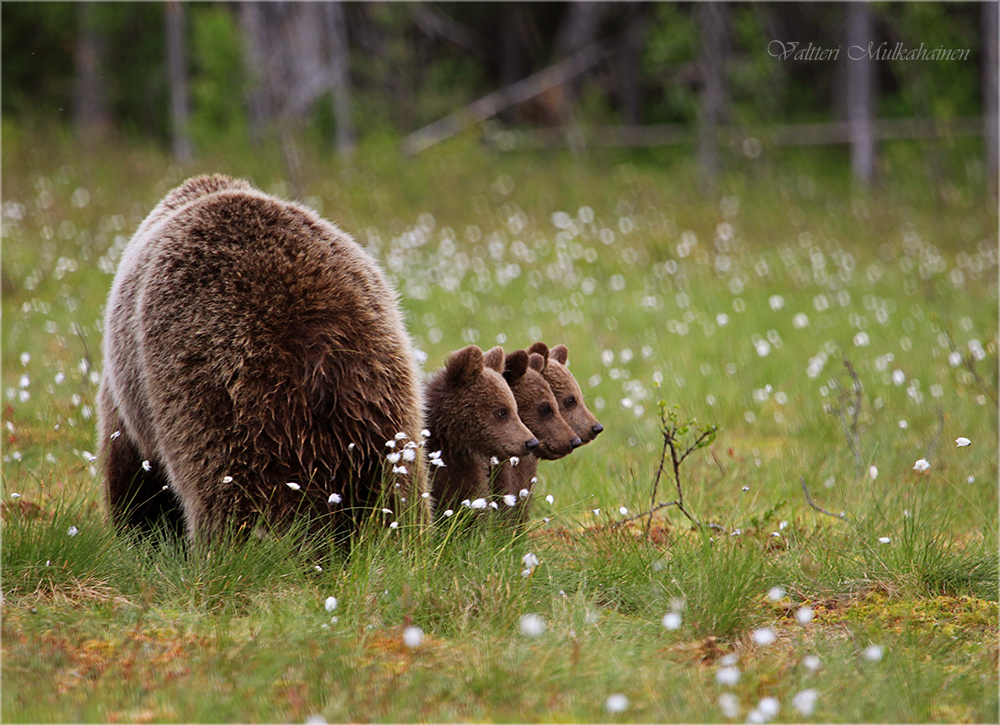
(541, 348)
(515, 366)
(559, 353)
(536, 361)
(464, 365)
(493, 358)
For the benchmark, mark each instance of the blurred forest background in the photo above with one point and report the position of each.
(720, 78)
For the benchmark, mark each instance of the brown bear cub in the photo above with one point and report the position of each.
(255, 364)
(538, 409)
(567, 392)
(472, 417)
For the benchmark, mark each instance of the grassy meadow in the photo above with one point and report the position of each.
(835, 337)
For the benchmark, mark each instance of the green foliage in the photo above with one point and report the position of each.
(218, 84)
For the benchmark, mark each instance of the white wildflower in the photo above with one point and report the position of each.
(962, 442)
(811, 663)
(387, 511)
(409, 454)
(294, 486)
(730, 705)
(479, 503)
(523, 493)
(764, 636)
(921, 465)
(330, 604)
(147, 466)
(532, 625)
(873, 652)
(448, 512)
(873, 473)
(514, 460)
(335, 498)
(227, 479)
(530, 560)
(671, 620)
(623, 511)
(425, 433)
(776, 594)
(768, 707)
(400, 470)
(510, 499)
(73, 531)
(394, 525)
(805, 701)
(884, 540)
(494, 461)
(413, 637)
(805, 615)
(616, 703)
(550, 499)
(394, 457)
(728, 676)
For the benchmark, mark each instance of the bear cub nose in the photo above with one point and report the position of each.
(532, 444)
(597, 428)
(576, 442)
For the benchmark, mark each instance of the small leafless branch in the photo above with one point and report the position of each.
(970, 365)
(842, 516)
(848, 410)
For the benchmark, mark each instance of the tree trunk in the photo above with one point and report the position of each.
(340, 77)
(178, 81)
(714, 46)
(990, 89)
(92, 118)
(861, 91)
(578, 30)
(629, 66)
(252, 29)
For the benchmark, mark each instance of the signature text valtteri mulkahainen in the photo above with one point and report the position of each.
(792, 50)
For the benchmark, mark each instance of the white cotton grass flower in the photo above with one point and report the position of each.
(15, 496)
(294, 486)
(623, 511)
(962, 442)
(449, 513)
(315, 720)
(884, 540)
(532, 625)
(479, 503)
(409, 454)
(72, 531)
(494, 505)
(394, 525)
(147, 466)
(390, 444)
(550, 499)
(729, 704)
(768, 707)
(494, 461)
(413, 637)
(425, 433)
(510, 499)
(394, 457)
(530, 560)
(401, 436)
(523, 493)
(88, 456)
(812, 663)
(671, 620)
(805, 615)
(728, 676)
(400, 470)
(334, 499)
(776, 594)
(921, 465)
(873, 652)
(514, 460)
(764, 636)
(467, 503)
(387, 511)
(873, 472)
(616, 703)
(227, 479)
(805, 701)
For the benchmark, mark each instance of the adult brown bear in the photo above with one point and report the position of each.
(255, 364)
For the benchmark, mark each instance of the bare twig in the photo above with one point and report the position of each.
(842, 516)
(848, 407)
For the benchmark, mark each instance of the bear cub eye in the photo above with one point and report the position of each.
(570, 401)
(545, 410)
(501, 413)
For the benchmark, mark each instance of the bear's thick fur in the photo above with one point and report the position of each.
(472, 417)
(249, 344)
(538, 409)
(567, 392)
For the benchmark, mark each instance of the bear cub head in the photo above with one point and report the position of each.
(567, 392)
(471, 410)
(537, 407)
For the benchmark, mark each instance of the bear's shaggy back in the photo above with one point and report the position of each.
(250, 344)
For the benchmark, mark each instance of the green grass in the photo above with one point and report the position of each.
(661, 291)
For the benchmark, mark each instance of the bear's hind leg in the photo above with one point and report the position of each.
(138, 498)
